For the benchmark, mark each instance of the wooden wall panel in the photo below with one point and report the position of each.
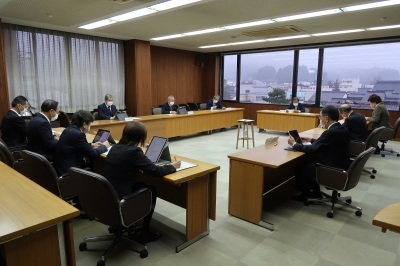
(4, 96)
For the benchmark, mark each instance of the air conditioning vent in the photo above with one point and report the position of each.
(273, 32)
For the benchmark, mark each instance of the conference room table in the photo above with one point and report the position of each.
(174, 125)
(388, 218)
(262, 177)
(29, 215)
(283, 121)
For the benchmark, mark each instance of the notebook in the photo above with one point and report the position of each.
(121, 116)
(158, 148)
(182, 110)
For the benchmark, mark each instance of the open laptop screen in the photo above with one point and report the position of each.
(121, 116)
(155, 148)
(182, 110)
(101, 135)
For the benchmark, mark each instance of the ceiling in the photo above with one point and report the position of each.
(68, 15)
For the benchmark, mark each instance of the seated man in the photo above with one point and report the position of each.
(354, 122)
(296, 106)
(72, 146)
(214, 103)
(40, 135)
(332, 148)
(13, 126)
(170, 107)
(107, 110)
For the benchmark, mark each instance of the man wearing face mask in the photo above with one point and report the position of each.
(354, 122)
(40, 136)
(13, 126)
(169, 107)
(296, 106)
(214, 103)
(73, 146)
(107, 110)
(332, 149)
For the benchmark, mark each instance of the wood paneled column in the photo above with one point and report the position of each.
(138, 89)
(4, 96)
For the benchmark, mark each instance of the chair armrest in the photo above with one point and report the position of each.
(387, 134)
(356, 147)
(331, 177)
(68, 186)
(136, 205)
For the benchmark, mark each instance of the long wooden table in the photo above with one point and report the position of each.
(174, 125)
(388, 218)
(261, 177)
(29, 215)
(282, 121)
(193, 189)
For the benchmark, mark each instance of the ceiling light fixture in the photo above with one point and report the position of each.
(97, 24)
(202, 31)
(167, 37)
(384, 27)
(309, 15)
(370, 5)
(288, 37)
(337, 32)
(212, 46)
(172, 4)
(134, 14)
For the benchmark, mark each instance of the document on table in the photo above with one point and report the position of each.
(185, 165)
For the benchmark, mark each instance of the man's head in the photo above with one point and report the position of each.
(345, 110)
(374, 100)
(295, 101)
(328, 115)
(216, 98)
(82, 119)
(108, 99)
(171, 100)
(51, 108)
(20, 103)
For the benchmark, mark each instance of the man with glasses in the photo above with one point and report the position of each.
(40, 136)
(13, 126)
(354, 122)
(332, 149)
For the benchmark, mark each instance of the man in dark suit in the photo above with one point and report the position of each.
(354, 122)
(72, 146)
(296, 106)
(214, 103)
(332, 149)
(107, 110)
(169, 107)
(13, 126)
(40, 135)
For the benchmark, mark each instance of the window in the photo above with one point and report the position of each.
(75, 70)
(351, 74)
(266, 77)
(229, 77)
(307, 76)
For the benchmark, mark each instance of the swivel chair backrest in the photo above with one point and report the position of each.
(374, 137)
(356, 168)
(6, 155)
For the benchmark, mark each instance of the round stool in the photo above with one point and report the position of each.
(245, 136)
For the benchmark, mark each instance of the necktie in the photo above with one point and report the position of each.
(109, 108)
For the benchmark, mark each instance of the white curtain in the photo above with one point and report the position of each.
(75, 70)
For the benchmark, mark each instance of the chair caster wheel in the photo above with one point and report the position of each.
(374, 171)
(101, 263)
(144, 253)
(329, 214)
(372, 176)
(383, 155)
(83, 246)
(348, 201)
(358, 213)
(398, 155)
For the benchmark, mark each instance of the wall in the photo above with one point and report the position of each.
(4, 98)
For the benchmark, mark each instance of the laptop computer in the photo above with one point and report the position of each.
(182, 110)
(158, 151)
(121, 116)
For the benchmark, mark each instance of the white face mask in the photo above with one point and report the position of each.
(171, 103)
(215, 101)
(109, 103)
(295, 104)
(54, 118)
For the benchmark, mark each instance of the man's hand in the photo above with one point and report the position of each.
(291, 140)
(304, 139)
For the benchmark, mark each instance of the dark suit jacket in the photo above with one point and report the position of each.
(166, 108)
(40, 137)
(332, 146)
(210, 103)
(71, 148)
(104, 112)
(357, 126)
(380, 116)
(123, 164)
(13, 129)
(300, 107)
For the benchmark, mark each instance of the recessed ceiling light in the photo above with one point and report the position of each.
(288, 37)
(337, 32)
(202, 31)
(212, 46)
(172, 4)
(309, 15)
(370, 5)
(134, 14)
(97, 24)
(167, 37)
(384, 27)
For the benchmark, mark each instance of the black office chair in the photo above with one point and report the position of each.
(96, 115)
(389, 134)
(6, 156)
(356, 147)
(63, 119)
(156, 110)
(193, 106)
(100, 201)
(341, 180)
